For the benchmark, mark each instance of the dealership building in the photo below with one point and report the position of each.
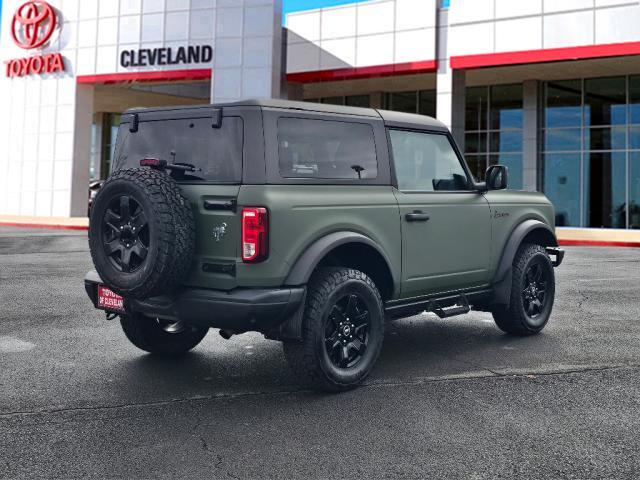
(549, 88)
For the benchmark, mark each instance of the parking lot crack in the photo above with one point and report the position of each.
(494, 373)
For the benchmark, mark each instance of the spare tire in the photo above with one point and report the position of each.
(141, 233)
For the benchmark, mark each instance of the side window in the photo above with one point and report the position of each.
(326, 149)
(426, 162)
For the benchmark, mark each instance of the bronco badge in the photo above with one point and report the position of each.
(219, 231)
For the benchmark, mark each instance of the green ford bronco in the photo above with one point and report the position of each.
(311, 224)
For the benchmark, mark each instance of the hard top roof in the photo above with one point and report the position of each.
(389, 117)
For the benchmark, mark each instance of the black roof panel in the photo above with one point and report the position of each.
(400, 119)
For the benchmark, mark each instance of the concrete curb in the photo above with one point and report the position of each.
(53, 223)
(589, 237)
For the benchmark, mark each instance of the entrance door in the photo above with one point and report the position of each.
(446, 227)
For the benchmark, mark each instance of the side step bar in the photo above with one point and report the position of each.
(444, 307)
(460, 308)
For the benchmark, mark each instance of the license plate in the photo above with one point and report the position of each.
(109, 300)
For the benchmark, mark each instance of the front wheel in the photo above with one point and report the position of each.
(532, 293)
(343, 328)
(161, 337)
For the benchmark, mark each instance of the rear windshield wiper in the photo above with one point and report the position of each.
(160, 164)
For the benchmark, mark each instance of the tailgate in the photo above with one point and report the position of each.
(218, 233)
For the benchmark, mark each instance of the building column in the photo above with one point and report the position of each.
(248, 50)
(530, 89)
(450, 84)
(81, 150)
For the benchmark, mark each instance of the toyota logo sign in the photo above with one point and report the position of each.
(33, 24)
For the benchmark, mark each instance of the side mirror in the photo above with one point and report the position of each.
(497, 177)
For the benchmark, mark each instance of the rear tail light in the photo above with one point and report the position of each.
(255, 229)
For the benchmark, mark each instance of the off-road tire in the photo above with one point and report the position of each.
(309, 359)
(513, 318)
(148, 335)
(171, 233)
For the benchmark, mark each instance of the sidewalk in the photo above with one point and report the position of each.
(601, 237)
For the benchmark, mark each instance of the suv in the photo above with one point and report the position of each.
(311, 224)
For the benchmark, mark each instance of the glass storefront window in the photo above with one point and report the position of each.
(605, 101)
(422, 102)
(634, 190)
(506, 107)
(612, 138)
(333, 100)
(562, 186)
(350, 100)
(476, 101)
(563, 139)
(634, 99)
(605, 203)
(476, 142)
(514, 163)
(505, 141)
(494, 132)
(357, 101)
(104, 131)
(403, 102)
(477, 165)
(563, 104)
(597, 149)
(427, 103)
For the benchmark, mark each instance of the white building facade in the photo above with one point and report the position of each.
(550, 88)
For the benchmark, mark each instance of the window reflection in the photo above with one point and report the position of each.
(587, 141)
(563, 104)
(494, 134)
(506, 107)
(605, 101)
(562, 186)
(562, 140)
(514, 163)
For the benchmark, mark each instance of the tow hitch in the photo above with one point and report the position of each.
(556, 254)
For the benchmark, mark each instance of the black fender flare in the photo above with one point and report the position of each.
(309, 260)
(502, 278)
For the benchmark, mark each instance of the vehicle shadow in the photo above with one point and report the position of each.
(415, 349)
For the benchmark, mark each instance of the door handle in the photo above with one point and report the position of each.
(416, 216)
(219, 204)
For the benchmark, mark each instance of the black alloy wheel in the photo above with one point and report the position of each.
(342, 330)
(534, 293)
(347, 331)
(125, 234)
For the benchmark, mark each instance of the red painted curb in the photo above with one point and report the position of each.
(43, 225)
(598, 243)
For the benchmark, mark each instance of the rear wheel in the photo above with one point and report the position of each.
(343, 329)
(532, 293)
(161, 337)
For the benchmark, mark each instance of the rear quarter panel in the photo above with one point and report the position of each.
(509, 208)
(299, 215)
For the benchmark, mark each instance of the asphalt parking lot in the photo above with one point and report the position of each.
(449, 398)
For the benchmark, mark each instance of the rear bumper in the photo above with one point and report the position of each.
(240, 310)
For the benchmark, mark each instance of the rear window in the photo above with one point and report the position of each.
(326, 149)
(215, 152)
